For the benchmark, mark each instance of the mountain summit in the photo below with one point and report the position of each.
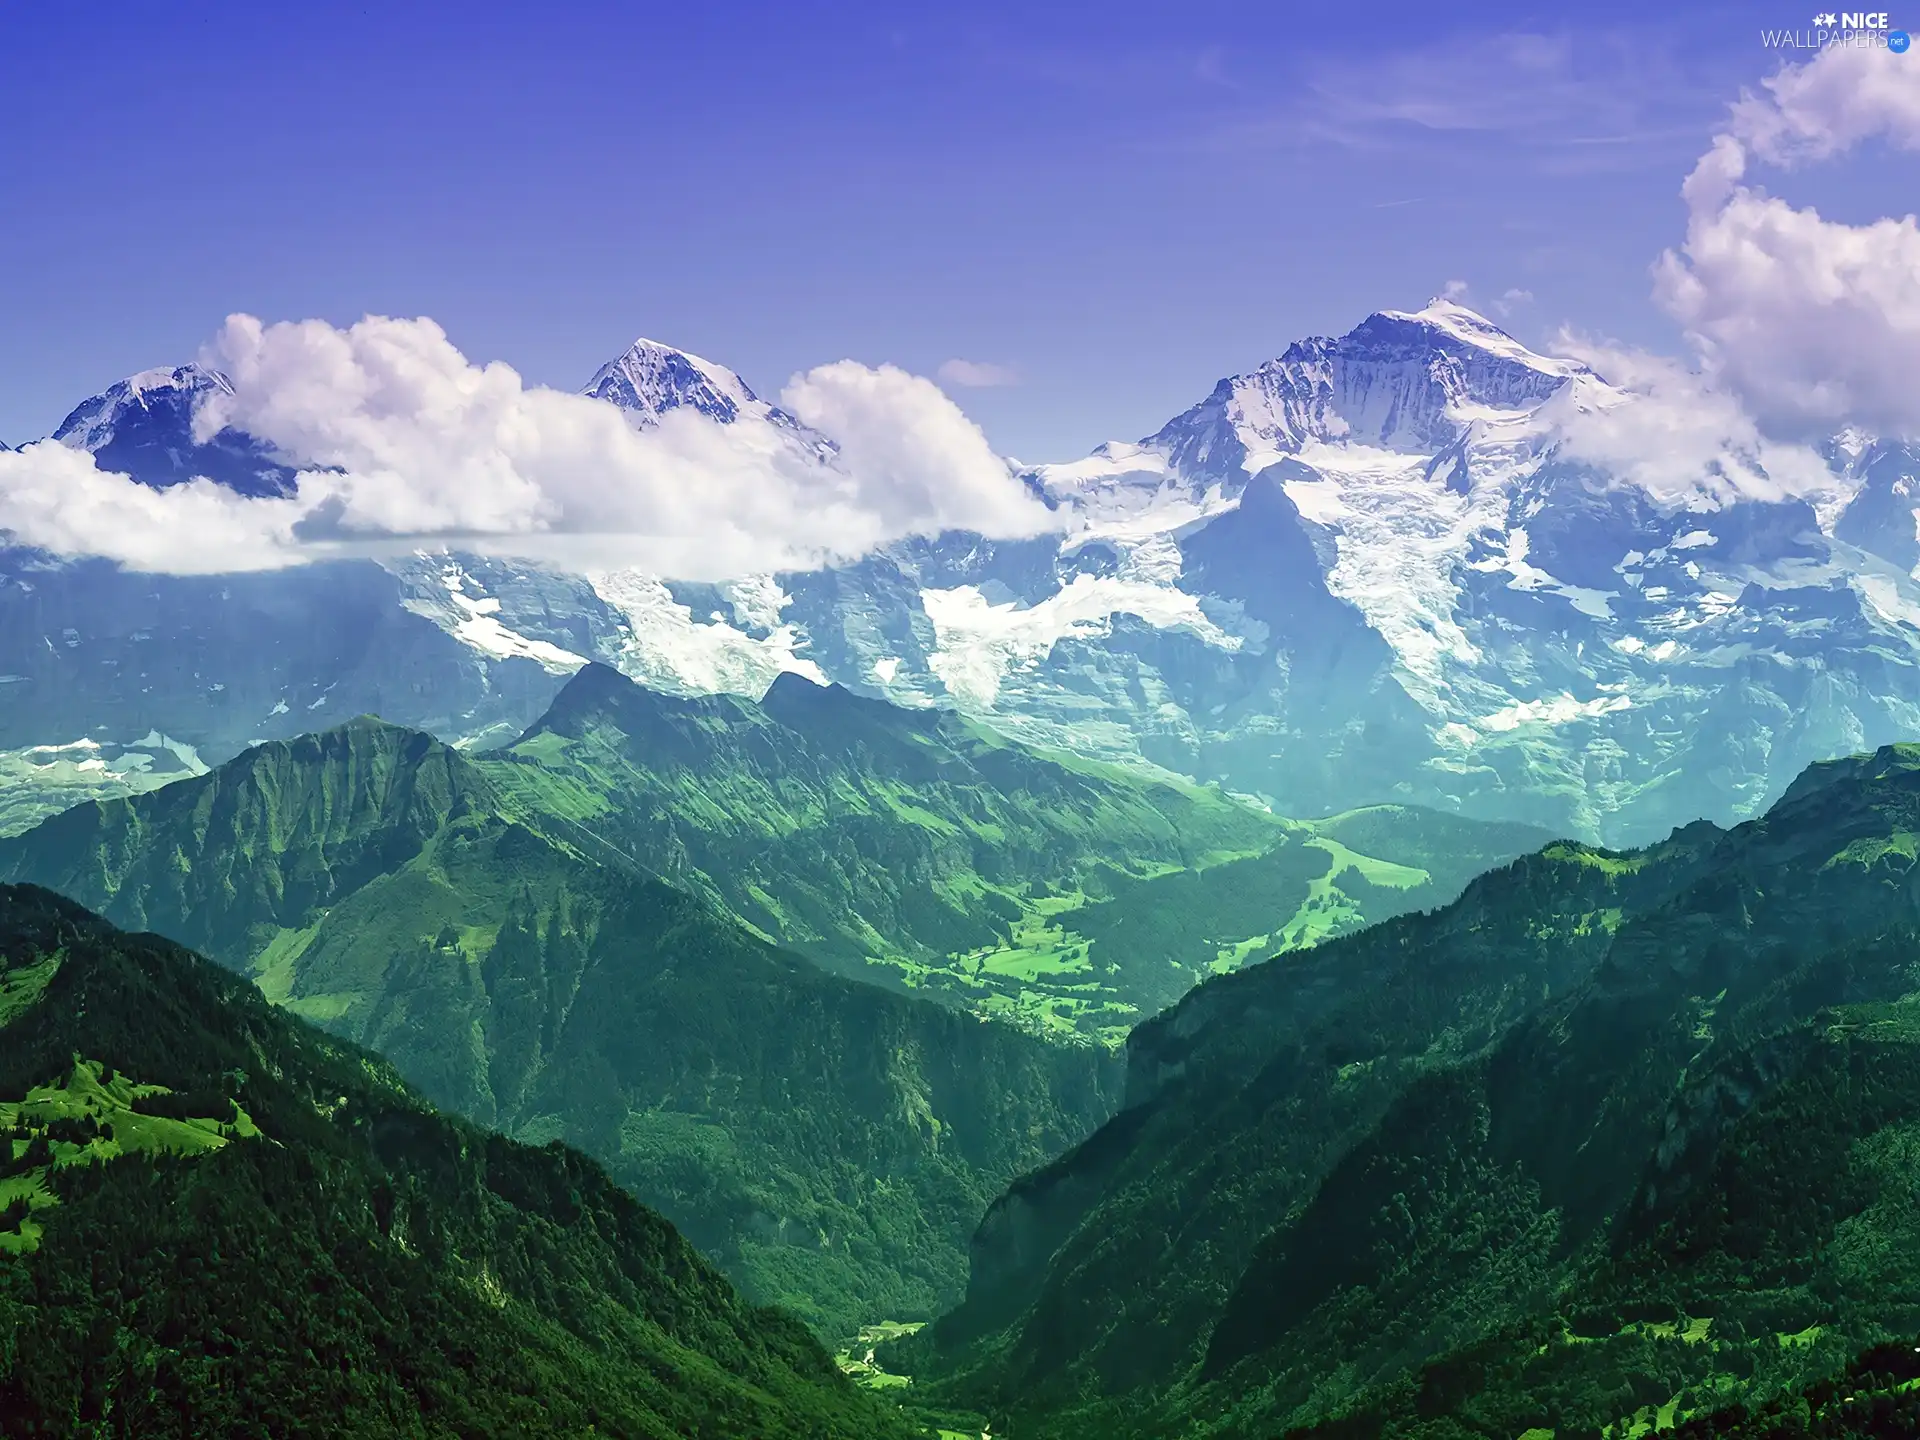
(1403, 381)
(650, 379)
(143, 427)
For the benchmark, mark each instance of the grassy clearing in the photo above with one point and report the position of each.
(1328, 910)
(277, 966)
(1245, 952)
(856, 1359)
(1694, 1332)
(1041, 944)
(1377, 872)
(1648, 1419)
(87, 1096)
(1573, 853)
(19, 988)
(1871, 849)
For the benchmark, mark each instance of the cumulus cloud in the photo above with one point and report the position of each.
(922, 465)
(977, 374)
(1831, 104)
(57, 498)
(402, 441)
(1659, 424)
(1811, 323)
(1799, 325)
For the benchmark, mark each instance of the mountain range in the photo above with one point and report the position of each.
(1248, 962)
(1373, 569)
(917, 848)
(1614, 1142)
(497, 925)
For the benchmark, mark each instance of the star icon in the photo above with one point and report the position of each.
(1825, 20)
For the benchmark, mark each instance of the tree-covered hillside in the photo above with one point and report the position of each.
(497, 926)
(1614, 1139)
(216, 1220)
(919, 849)
(830, 1143)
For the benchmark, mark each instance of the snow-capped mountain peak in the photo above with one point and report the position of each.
(161, 393)
(1441, 379)
(1404, 381)
(650, 379)
(1469, 328)
(143, 426)
(1380, 565)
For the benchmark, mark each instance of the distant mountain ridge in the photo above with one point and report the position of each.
(921, 849)
(1368, 570)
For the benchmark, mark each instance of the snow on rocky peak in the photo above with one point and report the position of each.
(1443, 382)
(1411, 382)
(1471, 329)
(650, 379)
(143, 427)
(160, 394)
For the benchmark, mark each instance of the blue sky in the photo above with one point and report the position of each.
(1118, 204)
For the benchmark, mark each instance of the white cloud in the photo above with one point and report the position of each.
(920, 463)
(1512, 299)
(1827, 106)
(1456, 291)
(1799, 324)
(977, 374)
(403, 440)
(59, 499)
(1810, 322)
(1660, 425)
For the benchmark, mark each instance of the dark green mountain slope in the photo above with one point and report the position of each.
(917, 848)
(215, 1220)
(1611, 1139)
(829, 1142)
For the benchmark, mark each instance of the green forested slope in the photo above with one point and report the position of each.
(829, 1142)
(919, 849)
(215, 1220)
(1612, 1140)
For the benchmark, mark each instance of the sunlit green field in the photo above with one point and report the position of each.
(1071, 968)
(104, 1103)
